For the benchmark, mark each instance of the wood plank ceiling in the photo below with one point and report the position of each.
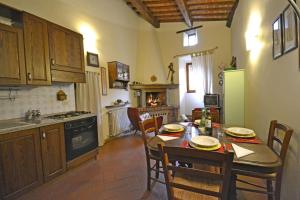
(188, 11)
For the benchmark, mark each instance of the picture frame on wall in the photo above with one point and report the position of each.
(103, 81)
(290, 32)
(277, 37)
(92, 59)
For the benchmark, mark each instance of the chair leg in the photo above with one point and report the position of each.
(278, 185)
(157, 169)
(270, 189)
(148, 175)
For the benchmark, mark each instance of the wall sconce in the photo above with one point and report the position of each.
(252, 41)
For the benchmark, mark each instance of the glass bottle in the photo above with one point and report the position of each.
(208, 124)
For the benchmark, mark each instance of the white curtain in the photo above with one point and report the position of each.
(203, 73)
(88, 98)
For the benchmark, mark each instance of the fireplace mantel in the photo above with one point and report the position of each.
(153, 86)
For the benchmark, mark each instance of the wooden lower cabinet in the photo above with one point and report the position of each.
(53, 151)
(29, 158)
(20, 163)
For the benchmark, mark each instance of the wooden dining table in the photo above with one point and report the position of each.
(263, 160)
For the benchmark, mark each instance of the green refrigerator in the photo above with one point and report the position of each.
(234, 97)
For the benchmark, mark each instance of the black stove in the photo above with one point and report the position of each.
(67, 115)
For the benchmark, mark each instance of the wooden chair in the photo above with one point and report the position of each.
(134, 118)
(215, 114)
(277, 176)
(194, 183)
(149, 126)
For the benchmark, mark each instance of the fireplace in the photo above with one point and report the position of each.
(156, 99)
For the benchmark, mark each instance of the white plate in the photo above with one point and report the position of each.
(173, 127)
(240, 131)
(205, 141)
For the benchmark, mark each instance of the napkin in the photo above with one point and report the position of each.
(166, 138)
(240, 151)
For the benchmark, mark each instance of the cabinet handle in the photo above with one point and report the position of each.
(29, 76)
(44, 135)
(52, 61)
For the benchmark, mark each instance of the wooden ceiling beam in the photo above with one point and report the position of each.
(164, 9)
(210, 2)
(184, 12)
(167, 14)
(231, 14)
(144, 12)
(209, 19)
(214, 7)
(200, 12)
(158, 4)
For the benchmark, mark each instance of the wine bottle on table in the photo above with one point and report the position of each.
(208, 124)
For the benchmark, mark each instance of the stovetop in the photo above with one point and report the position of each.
(67, 115)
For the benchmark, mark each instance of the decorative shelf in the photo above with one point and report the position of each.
(153, 86)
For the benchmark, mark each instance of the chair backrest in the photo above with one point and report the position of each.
(147, 127)
(134, 117)
(222, 161)
(283, 142)
(215, 116)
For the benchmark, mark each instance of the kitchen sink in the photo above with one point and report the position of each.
(7, 125)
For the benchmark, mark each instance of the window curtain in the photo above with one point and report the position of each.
(88, 98)
(203, 73)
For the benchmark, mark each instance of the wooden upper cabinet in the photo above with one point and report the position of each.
(53, 150)
(12, 61)
(66, 49)
(20, 163)
(36, 50)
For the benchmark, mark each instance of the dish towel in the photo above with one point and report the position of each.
(240, 151)
(166, 138)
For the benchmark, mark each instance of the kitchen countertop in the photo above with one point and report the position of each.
(20, 124)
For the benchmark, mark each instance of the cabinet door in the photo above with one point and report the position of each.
(20, 163)
(66, 49)
(12, 61)
(36, 50)
(53, 150)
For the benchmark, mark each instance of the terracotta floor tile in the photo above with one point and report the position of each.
(119, 173)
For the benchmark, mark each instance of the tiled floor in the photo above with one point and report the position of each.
(118, 174)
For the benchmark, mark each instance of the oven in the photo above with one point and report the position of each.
(81, 136)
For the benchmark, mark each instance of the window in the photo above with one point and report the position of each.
(190, 85)
(190, 38)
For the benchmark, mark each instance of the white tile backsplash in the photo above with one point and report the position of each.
(43, 98)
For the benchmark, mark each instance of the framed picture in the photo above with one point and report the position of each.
(92, 59)
(277, 37)
(103, 81)
(290, 33)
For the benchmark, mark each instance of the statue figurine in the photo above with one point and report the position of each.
(233, 63)
(171, 71)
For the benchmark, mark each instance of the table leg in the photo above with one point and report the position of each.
(232, 188)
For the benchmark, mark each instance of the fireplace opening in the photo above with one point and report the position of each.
(155, 99)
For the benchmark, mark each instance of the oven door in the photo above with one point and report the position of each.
(81, 140)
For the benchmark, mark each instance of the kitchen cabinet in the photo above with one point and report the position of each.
(12, 61)
(20, 163)
(53, 150)
(119, 75)
(29, 158)
(66, 54)
(36, 50)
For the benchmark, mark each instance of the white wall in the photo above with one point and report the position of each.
(157, 48)
(109, 28)
(272, 86)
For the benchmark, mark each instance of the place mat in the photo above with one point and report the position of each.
(245, 140)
